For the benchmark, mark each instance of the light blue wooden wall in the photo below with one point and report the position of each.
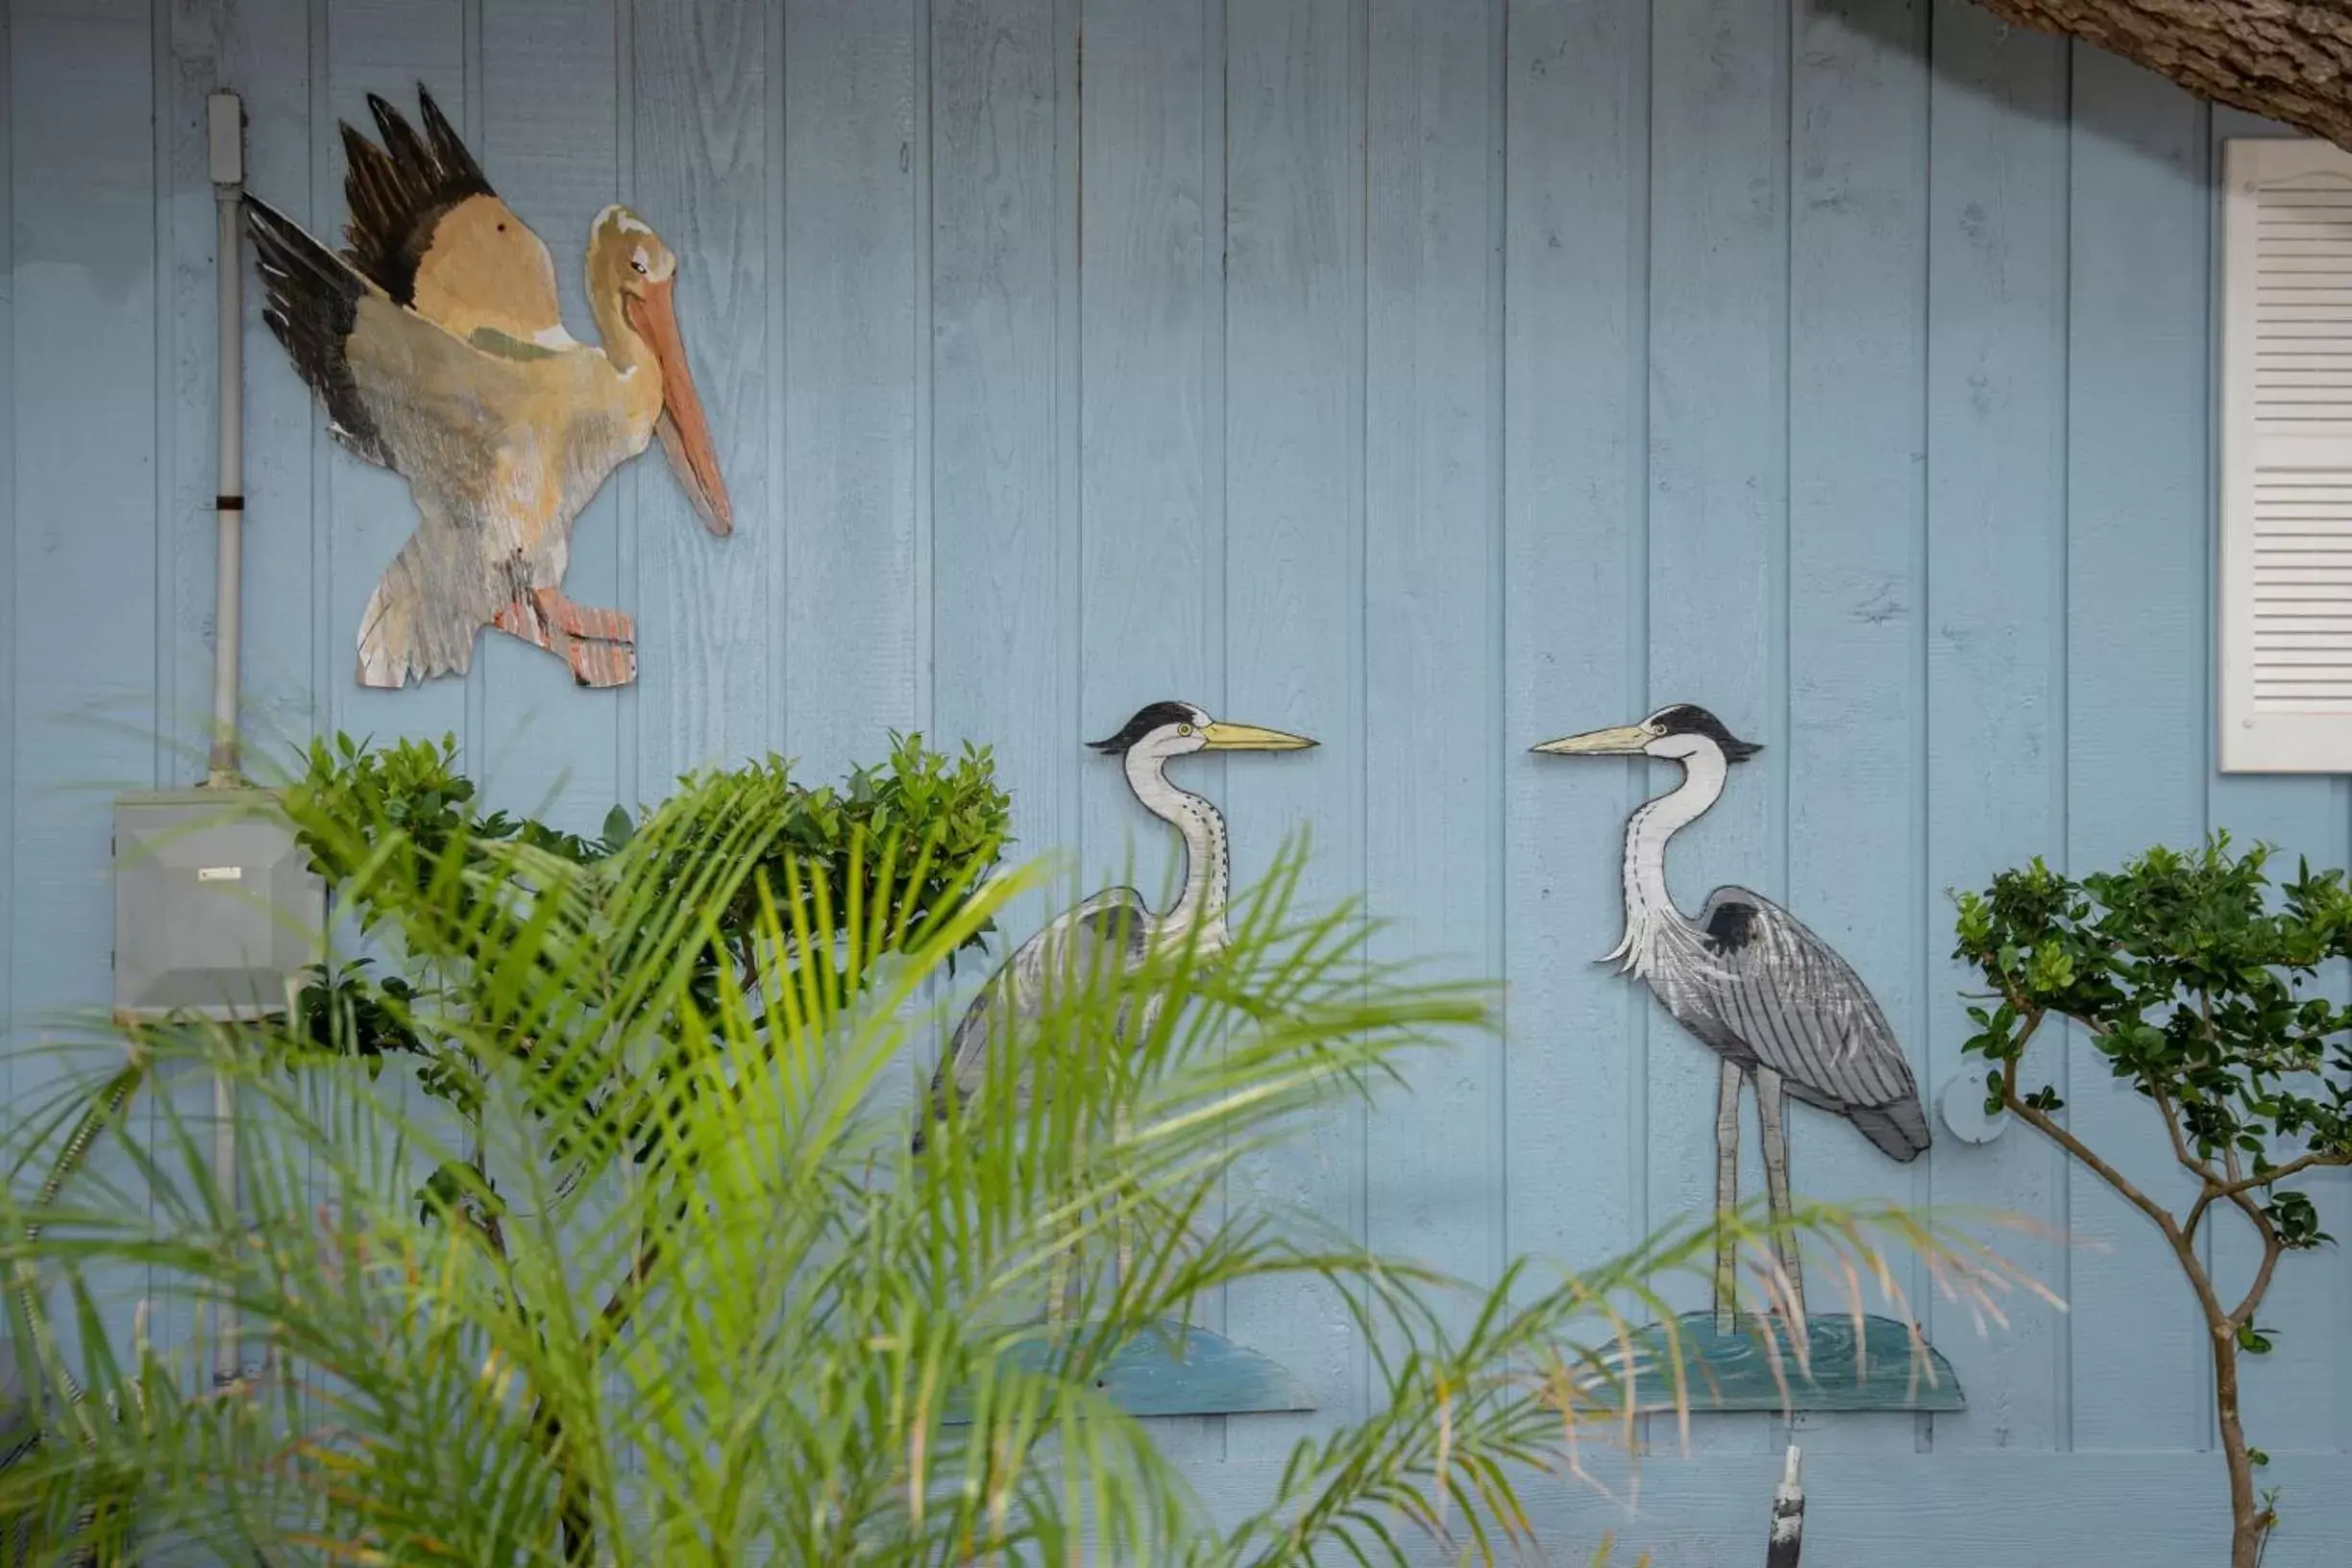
(1431, 376)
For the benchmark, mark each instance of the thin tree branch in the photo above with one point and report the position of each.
(2196, 1167)
(2272, 1250)
(2209, 1179)
(623, 1301)
(487, 1222)
(2041, 1121)
(2198, 1210)
(2279, 1174)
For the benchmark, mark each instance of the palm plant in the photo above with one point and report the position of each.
(741, 1319)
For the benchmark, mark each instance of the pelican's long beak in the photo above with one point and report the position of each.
(685, 434)
(1625, 741)
(1250, 738)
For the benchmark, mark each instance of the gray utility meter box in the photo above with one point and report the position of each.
(216, 910)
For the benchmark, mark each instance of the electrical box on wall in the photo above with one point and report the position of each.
(216, 909)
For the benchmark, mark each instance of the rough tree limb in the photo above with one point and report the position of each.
(2292, 62)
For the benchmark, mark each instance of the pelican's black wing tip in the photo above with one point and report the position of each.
(398, 191)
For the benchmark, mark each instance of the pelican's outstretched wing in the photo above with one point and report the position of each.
(340, 328)
(402, 391)
(1113, 928)
(426, 229)
(1767, 987)
(311, 298)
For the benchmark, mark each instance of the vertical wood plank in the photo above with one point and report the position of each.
(629, 775)
(82, 89)
(83, 575)
(1996, 612)
(386, 47)
(1718, 517)
(260, 49)
(10, 1040)
(1858, 555)
(551, 142)
(1294, 422)
(922, 544)
(1576, 611)
(1434, 1159)
(2299, 1397)
(2138, 735)
(1151, 551)
(550, 147)
(707, 609)
(848, 397)
(1151, 345)
(2303, 816)
(1003, 258)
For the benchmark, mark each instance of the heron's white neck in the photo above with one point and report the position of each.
(1649, 910)
(1208, 869)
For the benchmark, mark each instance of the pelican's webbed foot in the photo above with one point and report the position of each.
(601, 645)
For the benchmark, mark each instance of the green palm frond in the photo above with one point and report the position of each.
(676, 1287)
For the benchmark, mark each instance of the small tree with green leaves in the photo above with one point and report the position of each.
(2203, 992)
(492, 931)
(396, 830)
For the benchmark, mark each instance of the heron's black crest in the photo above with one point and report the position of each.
(1689, 718)
(1153, 716)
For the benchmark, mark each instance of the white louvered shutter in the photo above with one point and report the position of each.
(2286, 611)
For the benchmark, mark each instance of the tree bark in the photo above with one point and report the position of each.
(2290, 62)
(2249, 1519)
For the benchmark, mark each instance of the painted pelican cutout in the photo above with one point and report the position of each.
(435, 341)
(1776, 1003)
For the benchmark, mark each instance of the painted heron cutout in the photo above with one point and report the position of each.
(1115, 929)
(437, 343)
(1776, 1003)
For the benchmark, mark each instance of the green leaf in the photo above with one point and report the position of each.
(455, 1188)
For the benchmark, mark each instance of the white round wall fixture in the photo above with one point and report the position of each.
(1962, 1108)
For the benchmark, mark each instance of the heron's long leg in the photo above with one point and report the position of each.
(1727, 1192)
(1123, 1129)
(1057, 1288)
(1769, 1104)
(1122, 1133)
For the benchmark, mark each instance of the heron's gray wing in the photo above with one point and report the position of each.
(1111, 927)
(1787, 995)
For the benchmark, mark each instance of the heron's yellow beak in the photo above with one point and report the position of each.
(1625, 741)
(1250, 738)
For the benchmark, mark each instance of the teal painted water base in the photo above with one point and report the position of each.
(1879, 1368)
(1179, 1370)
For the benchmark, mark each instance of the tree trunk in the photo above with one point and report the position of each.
(2292, 62)
(2249, 1520)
